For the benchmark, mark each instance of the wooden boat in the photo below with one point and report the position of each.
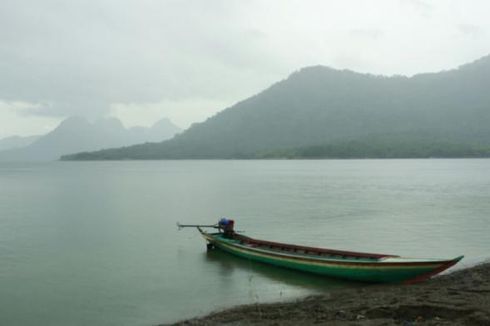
(356, 266)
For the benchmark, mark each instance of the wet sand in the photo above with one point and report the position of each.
(458, 298)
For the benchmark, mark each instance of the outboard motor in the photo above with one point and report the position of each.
(227, 225)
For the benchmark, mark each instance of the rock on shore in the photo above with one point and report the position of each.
(459, 298)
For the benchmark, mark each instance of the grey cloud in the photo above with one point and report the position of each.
(423, 7)
(80, 56)
(470, 30)
(366, 33)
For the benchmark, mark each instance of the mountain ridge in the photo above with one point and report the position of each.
(78, 134)
(318, 106)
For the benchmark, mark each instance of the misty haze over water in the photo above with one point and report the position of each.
(96, 243)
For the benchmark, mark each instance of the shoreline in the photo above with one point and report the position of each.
(458, 298)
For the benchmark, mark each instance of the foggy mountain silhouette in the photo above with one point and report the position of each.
(77, 134)
(341, 113)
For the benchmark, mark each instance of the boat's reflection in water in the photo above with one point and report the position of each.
(230, 264)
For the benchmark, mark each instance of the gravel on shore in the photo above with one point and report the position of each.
(459, 298)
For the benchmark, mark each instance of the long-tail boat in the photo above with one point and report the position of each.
(356, 266)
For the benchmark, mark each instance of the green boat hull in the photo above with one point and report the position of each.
(365, 270)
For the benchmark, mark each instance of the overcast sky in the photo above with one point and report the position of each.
(143, 60)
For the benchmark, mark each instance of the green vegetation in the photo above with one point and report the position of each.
(363, 149)
(320, 112)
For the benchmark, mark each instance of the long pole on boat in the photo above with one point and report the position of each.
(180, 226)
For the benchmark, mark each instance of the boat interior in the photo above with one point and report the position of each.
(306, 251)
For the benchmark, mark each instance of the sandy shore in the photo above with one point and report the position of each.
(459, 298)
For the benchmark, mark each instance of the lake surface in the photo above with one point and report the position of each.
(96, 243)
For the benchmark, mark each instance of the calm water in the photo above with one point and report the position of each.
(96, 243)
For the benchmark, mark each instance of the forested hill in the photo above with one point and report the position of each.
(324, 112)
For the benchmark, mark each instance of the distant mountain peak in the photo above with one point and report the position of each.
(164, 123)
(73, 122)
(326, 71)
(319, 73)
(313, 70)
(75, 134)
